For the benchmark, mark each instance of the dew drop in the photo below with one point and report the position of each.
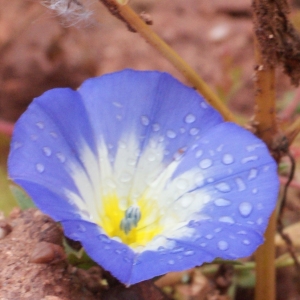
(223, 187)
(203, 245)
(194, 131)
(226, 219)
(145, 120)
(119, 117)
(205, 163)
(47, 151)
(53, 134)
(189, 253)
(103, 238)
(186, 201)
(60, 157)
(131, 162)
(222, 202)
(17, 145)
(227, 159)
(125, 177)
(198, 153)
(252, 174)
(81, 228)
(199, 179)
(246, 242)
(249, 158)
(181, 183)
(223, 245)
(251, 148)
(254, 191)
(155, 127)
(182, 130)
(240, 184)
(245, 209)
(118, 251)
(171, 134)
(259, 221)
(190, 118)
(40, 125)
(151, 157)
(40, 168)
(217, 230)
(33, 137)
(203, 105)
(177, 250)
(209, 236)
(117, 104)
(171, 262)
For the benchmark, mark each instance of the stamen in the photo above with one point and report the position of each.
(131, 219)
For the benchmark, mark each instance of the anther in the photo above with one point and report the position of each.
(131, 219)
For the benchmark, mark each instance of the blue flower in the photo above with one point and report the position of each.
(144, 173)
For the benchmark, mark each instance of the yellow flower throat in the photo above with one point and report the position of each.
(147, 227)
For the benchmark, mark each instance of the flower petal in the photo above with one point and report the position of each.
(143, 142)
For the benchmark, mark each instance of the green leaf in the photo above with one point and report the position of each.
(23, 200)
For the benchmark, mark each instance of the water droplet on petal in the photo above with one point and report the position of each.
(203, 245)
(203, 105)
(252, 174)
(189, 253)
(194, 131)
(155, 127)
(227, 159)
(190, 118)
(259, 221)
(171, 134)
(53, 134)
(181, 183)
(17, 145)
(117, 104)
(81, 228)
(246, 242)
(209, 236)
(223, 245)
(226, 219)
(47, 151)
(125, 177)
(245, 209)
(61, 157)
(177, 250)
(145, 120)
(40, 125)
(151, 157)
(33, 137)
(199, 179)
(205, 163)
(40, 168)
(240, 184)
(171, 262)
(249, 158)
(131, 162)
(186, 200)
(103, 238)
(223, 187)
(198, 153)
(222, 202)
